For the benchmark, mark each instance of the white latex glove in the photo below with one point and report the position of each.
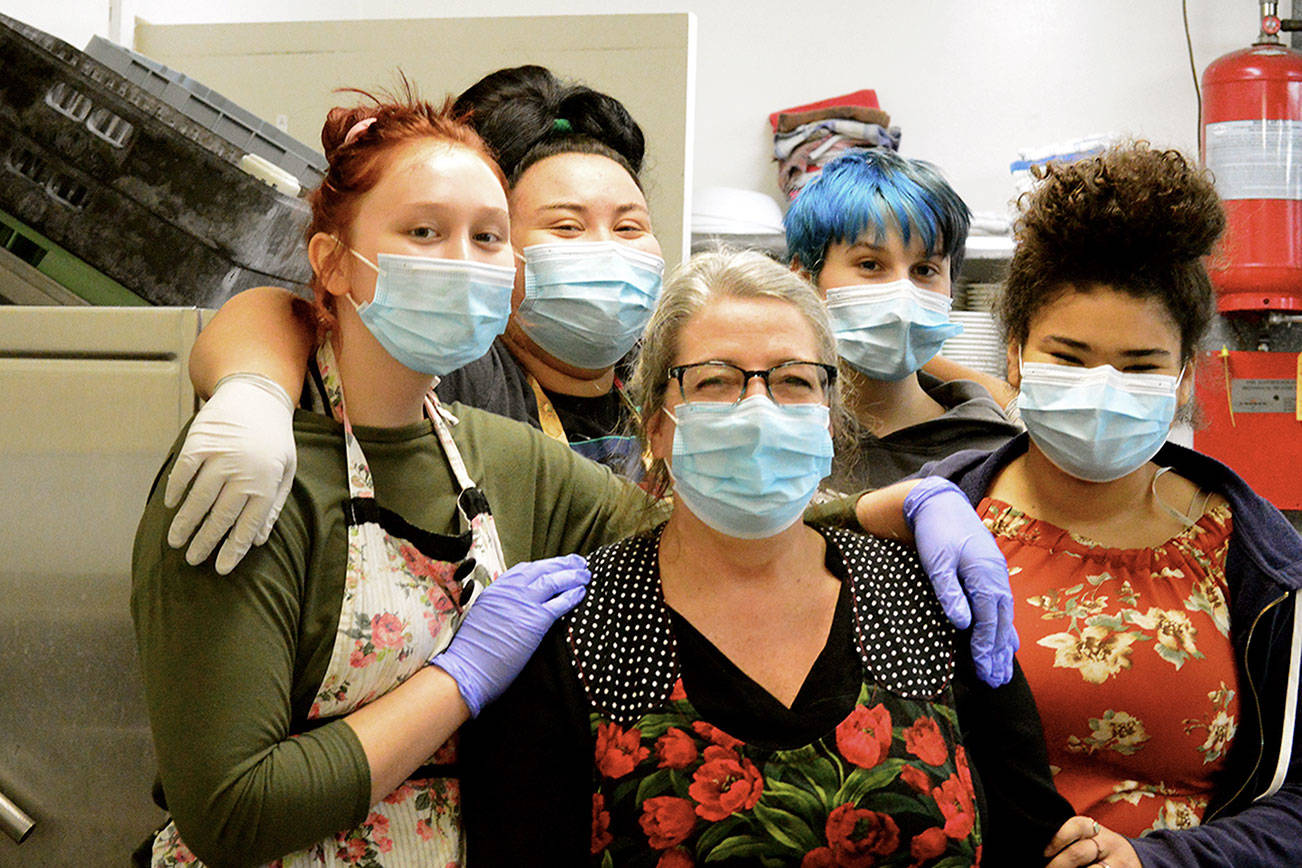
(240, 454)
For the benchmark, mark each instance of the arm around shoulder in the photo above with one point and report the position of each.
(946, 369)
(267, 330)
(547, 499)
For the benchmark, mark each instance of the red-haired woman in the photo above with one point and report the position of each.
(293, 710)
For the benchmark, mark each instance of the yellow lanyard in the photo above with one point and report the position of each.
(551, 421)
(547, 418)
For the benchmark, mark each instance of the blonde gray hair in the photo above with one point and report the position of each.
(721, 273)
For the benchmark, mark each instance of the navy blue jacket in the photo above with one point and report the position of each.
(1255, 814)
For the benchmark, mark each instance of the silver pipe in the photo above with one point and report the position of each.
(1269, 9)
(15, 823)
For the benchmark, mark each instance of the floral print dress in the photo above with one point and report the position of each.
(1128, 654)
(405, 593)
(888, 784)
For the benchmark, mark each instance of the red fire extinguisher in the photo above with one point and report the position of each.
(1251, 139)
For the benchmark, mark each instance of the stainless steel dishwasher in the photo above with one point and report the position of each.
(90, 400)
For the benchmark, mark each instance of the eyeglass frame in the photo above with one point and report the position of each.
(675, 372)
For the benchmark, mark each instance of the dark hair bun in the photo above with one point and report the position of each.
(517, 109)
(1141, 209)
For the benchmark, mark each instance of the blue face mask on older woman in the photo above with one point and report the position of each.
(749, 469)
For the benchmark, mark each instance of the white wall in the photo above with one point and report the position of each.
(967, 82)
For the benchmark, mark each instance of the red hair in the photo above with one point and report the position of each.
(357, 163)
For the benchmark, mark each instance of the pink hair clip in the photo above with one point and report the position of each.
(357, 129)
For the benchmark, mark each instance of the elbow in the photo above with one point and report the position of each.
(216, 847)
(221, 833)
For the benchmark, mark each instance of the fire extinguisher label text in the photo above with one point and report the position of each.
(1260, 159)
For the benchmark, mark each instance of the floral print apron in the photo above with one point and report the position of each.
(405, 593)
(889, 785)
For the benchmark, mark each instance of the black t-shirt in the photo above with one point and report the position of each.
(596, 427)
(972, 420)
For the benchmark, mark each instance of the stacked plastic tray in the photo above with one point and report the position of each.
(129, 184)
(201, 103)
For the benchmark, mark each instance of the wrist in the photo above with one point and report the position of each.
(881, 512)
(450, 668)
(448, 687)
(927, 488)
(261, 382)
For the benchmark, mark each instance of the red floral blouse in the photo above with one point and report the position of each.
(1128, 654)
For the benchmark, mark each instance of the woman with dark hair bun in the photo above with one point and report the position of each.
(589, 277)
(590, 264)
(1156, 594)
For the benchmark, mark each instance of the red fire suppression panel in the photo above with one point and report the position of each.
(1253, 420)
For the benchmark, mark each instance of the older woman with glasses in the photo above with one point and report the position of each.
(740, 687)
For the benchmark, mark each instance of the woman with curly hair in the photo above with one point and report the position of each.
(1156, 594)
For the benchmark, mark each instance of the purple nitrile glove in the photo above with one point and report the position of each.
(506, 623)
(965, 565)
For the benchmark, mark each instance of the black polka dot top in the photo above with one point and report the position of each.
(625, 653)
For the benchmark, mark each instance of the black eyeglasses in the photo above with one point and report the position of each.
(722, 383)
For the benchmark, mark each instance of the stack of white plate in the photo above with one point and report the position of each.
(737, 218)
(976, 296)
(979, 347)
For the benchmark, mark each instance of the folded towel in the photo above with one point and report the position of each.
(788, 121)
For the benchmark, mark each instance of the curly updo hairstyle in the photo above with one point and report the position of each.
(1134, 219)
(526, 114)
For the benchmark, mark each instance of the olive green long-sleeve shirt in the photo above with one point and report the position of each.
(232, 663)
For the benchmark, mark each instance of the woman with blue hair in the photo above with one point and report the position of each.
(882, 237)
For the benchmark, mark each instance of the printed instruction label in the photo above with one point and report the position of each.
(1264, 396)
(1259, 159)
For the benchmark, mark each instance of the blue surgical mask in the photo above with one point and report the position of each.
(586, 303)
(749, 469)
(889, 330)
(435, 315)
(1096, 424)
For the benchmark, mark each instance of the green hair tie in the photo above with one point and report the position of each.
(561, 125)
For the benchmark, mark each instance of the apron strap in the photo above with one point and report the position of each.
(360, 482)
(437, 546)
(439, 419)
(471, 501)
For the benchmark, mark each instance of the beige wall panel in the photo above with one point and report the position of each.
(290, 69)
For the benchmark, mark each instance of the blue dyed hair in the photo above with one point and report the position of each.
(881, 190)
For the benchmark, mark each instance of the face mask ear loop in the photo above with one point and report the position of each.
(1184, 519)
(369, 264)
